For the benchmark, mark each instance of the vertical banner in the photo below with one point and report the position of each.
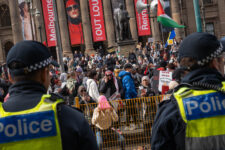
(74, 21)
(97, 20)
(49, 22)
(143, 22)
(26, 20)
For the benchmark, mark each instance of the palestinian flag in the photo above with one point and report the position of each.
(164, 19)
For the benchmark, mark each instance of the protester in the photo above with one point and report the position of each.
(103, 117)
(92, 86)
(145, 88)
(111, 87)
(130, 93)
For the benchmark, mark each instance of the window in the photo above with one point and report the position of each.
(8, 45)
(207, 1)
(210, 28)
(4, 16)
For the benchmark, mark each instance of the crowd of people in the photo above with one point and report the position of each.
(98, 81)
(112, 75)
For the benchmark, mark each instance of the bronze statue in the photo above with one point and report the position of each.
(122, 26)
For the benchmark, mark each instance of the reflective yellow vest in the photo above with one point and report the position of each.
(34, 129)
(204, 115)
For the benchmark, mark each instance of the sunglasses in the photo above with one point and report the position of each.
(109, 75)
(72, 7)
(83, 90)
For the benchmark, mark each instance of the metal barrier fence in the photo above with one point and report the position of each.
(132, 130)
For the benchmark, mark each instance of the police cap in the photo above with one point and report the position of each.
(30, 55)
(202, 47)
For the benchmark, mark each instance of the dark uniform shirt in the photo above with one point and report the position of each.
(75, 131)
(168, 131)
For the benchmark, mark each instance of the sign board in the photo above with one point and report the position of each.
(164, 79)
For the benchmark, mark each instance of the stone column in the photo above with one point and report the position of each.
(86, 26)
(156, 34)
(1, 53)
(133, 25)
(221, 5)
(64, 28)
(39, 20)
(15, 21)
(176, 15)
(110, 30)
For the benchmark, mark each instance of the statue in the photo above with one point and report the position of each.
(122, 26)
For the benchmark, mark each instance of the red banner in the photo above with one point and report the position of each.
(143, 21)
(49, 22)
(97, 20)
(74, 22)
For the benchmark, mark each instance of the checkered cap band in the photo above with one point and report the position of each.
(39, 65)
(215, 54)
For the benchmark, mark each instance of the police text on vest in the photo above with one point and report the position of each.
(27, 126)
(204, 106)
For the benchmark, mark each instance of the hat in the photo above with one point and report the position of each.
(70, 2)
(200, 46)
(103, 103)
(31, 55)
(145, 78)
(79, 69)
(128, 65)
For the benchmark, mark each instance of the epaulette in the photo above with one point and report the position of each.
(54, 97)
(182, 85)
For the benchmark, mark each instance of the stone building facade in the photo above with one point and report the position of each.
(182, 11)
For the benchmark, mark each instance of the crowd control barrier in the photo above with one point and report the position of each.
(133, 128)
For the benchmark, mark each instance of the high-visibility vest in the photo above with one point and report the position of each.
(34, 129)
(203, 111)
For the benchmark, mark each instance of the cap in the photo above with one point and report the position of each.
(200, 46)
(128, 65)
(31, 55)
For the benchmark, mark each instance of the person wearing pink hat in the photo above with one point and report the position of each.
(103, 116)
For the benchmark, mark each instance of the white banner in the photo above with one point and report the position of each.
(164, 79)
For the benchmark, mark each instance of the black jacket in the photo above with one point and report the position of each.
(75, 131)
(168, 131)
(109, 88)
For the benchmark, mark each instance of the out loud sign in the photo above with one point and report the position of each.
(97, 20)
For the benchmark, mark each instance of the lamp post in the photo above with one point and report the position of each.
(38, 14)
(203, 15)
(30, 10)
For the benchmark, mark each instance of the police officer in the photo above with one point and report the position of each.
(194, 117)
(30, 119)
